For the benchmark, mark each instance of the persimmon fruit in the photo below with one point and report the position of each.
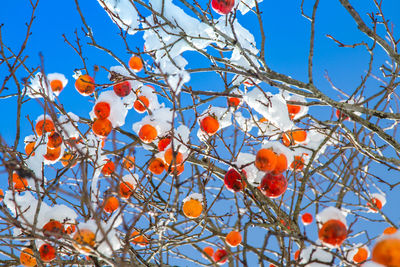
(141, 104)
(148, 133)
(333, 232)
(156, 166)
(390, 230)
(102, 110)
(139, 239)
(222, 7)
(220, 256)
(209, 124)
(53, 228)
(208, 251)
(233, 101)
(56, 86)
(54, 140)
(111, 204)
(307, 218)
(108, 168)
(233, 181)
(266, 160)
(273, 186)
(128, 162)
(387, 252)
(233, 238)
(47, 252)
(122, 89)
(27, 258)
(20, 183)
(102, 127)
(135, 63)
(44, 126)
(29, 147)
(84, 238)
(85, 85)
(361, 255)
(192, 208)
(125, 189)
(52, 154)
(281, 164)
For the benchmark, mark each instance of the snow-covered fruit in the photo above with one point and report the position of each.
(333, 233)
(220, 256)
(233, 181)
(209, 124)
(85, 85)
(273, 186)
(222, 7)
(122, 89)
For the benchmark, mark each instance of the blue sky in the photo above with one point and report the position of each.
(287, 46)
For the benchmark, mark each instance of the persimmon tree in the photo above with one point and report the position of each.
(197, 151)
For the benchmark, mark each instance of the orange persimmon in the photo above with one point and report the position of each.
(111, 204)
(281, 164)
(333, 232)
(297, 164)
(387, 252)
(135, 63)
(169, 157)
(69, 229)
(156, 166)
(122, 89)
(1, 195)
(125, 189)
(128, 162)
(47, 252)
(141, 104)
(44, 126)
(266, 160)
(68, 158)
(108, 168)
(54, 140)
(175, 170)
(102, 110)
(361, 255)
(84, 238)
(192, 208)
(306, 218)
(20, 183)
(163, 143)
(52, 154)
(233, 239)
(209, 124)
(139, 239)
(56, 86)
(27, 258)
(85, 85)
(220, 256)
(208, 251)
(233, 101)
(29, 147)
(390, 230)
(53, 228)
(102, 127)
(147, 133)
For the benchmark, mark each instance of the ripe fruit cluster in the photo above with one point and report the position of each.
(273, 184)
(102, 125)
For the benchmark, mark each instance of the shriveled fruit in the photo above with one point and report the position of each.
(44, 126)
(47, 252)
(53, 228)
(122, 89)
(208, 251)
(139, 239)
(129, 162)
(233, 239)
(135, 63)
(147, 133)
(84, 238)
(125, 189)
(222, 7)
(141, 104)
(266, 160)
(20, 183)
(54, 140)
(273, 186)
(156, 166)
(102, 127)
(220, 256)
(306, 218)
(111, 204)
(108, 168)
(387, 252)
(85, 85)
(233, 181)
(209, 124)
(102, 110)
(192, 208)
(163, 143)
(333, 232)
(27, 258)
